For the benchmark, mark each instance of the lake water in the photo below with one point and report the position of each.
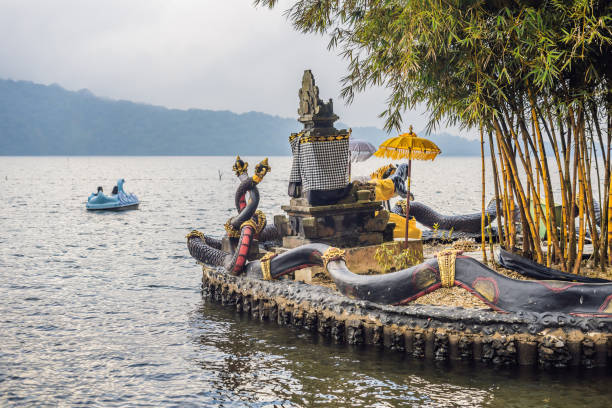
(105, 308)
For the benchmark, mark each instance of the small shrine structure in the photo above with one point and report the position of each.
(325, 206)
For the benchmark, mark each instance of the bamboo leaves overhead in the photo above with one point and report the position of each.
(462, 58)
(526, 72)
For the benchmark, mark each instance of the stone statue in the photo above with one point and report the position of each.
(312, 110)
(308, 93)
(319, 171)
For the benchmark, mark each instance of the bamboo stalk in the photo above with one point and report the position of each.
(572, 200)
(551, 228)
(531, 187)
(590, 208)
(508, 215)
(609, 174)
(604, 199)
(581, 220)
(482, 214)
(609, 230)
(552, 138)
(518, 185)
(502, 236)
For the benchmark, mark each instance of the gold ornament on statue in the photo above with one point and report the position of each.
(240, 166)
(231, 231)
(249, 223)
(261, 170)
(261, 221)
(402, 204)
(446, 265)
(194, 234)
(332, 254)
(266, 268)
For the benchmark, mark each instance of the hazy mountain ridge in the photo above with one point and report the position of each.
(49, 120)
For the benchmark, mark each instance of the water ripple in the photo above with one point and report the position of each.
(105, 310)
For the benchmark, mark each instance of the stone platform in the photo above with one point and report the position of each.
(423, 332)
(359, 227)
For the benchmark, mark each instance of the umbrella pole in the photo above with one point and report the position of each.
(408, 201)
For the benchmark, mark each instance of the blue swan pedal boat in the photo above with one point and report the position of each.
(117, 201)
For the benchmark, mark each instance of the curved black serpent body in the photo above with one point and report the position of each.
(534, 270)
(499, 292)
(208, 249)
(232, 262)
(245, 210)
(460, 223)
(269, 233)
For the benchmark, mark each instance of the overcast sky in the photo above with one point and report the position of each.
(207, 54)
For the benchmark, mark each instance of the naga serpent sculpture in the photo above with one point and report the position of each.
(460, 223)
(449, 269)
(269, 233)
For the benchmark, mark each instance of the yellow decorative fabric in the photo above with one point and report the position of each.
(384, 188)
(446, 265)
(400, 226)
(380, 172)
(294, 135)
(266, 268)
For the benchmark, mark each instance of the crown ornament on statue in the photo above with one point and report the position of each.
(261, 169)
(240, 167)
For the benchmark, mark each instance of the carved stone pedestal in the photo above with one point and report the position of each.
(340, 225)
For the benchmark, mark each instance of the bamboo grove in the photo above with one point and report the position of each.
(533, 77)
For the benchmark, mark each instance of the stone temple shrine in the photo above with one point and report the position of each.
(325, 206)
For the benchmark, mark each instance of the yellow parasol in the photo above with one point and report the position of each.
(408, 146)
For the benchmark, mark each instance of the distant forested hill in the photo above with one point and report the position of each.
(49, 120)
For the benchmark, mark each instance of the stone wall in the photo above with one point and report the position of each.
(424, 332)
(341, 225)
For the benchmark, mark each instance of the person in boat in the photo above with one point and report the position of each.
(115, 190)
(97, 193)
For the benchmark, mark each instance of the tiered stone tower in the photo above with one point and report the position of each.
(346, 214)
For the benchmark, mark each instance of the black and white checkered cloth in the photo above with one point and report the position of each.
(295, 175)
(319, 165)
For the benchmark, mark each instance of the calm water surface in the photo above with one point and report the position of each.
(105, 308)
